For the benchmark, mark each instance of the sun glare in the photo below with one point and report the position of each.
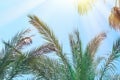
(83, 1)
(84, 5)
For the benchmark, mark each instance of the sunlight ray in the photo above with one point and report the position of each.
(104, 11)
(99, 12)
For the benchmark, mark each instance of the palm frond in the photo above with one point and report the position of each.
(43, 29)
(18, 65)
(50, 37)
(24, 42)
(112, 59)
(87, 68)
(10, 54)
(76, 47)
(46, 68)
(47, 34)
(94, 44)
(45, 48)
(15, 41)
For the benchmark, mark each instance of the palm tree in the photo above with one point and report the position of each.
(14, 61)
(11, 60)
(84, 64)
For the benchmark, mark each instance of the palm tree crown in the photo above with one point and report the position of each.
(15, 61)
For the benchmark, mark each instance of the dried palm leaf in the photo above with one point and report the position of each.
(47, 48)
(24, 41)
(114, 18)
(94, 44)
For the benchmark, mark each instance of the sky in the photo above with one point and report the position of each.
(62, 17)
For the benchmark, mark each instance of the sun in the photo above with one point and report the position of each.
(84, 5)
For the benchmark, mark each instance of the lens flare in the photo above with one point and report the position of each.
(84, 5)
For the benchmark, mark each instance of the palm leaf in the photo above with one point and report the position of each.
(76, 47)
(49, 36)
(110, 64)
(94, 44)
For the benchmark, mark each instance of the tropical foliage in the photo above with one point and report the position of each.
(84, 64)
(14, 61)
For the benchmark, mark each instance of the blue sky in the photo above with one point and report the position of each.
(61, 16)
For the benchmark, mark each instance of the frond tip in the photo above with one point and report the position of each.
(46, 32)
(43, 29)
(94, 44)
(24, 41)
(35, 21)
(47, 48)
